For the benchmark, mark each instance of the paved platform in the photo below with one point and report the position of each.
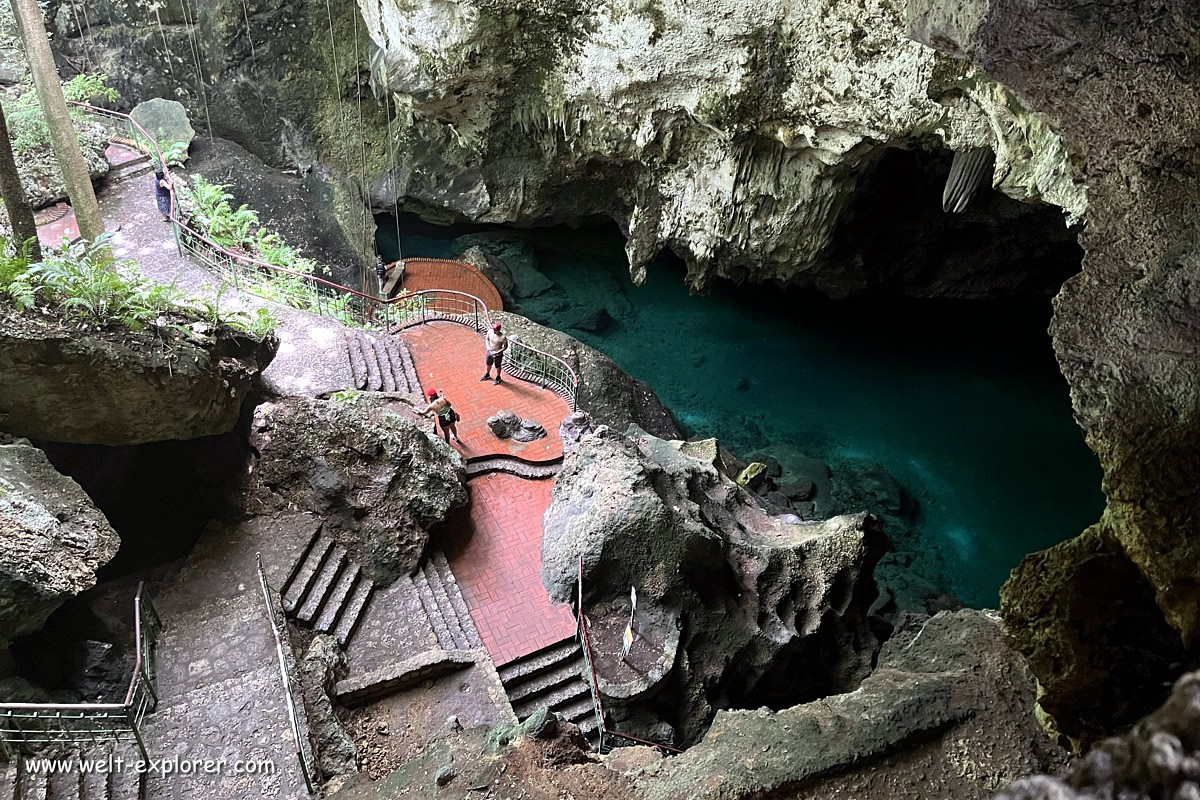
(458, 276)
(450, 358)
(495, 552)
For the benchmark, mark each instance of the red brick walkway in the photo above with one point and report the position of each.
(449, 358)
(494, 548)
(495, 553)
(458, 276)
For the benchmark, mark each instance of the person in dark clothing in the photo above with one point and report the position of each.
(162, 193)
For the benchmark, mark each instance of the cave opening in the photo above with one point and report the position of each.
(159, 497)
(928, 393)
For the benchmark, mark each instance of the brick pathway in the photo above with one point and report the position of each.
(494, 548)
(430, 273)
(495, 553)
(449, 358)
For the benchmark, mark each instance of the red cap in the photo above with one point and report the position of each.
(432, 393)
(495, 326)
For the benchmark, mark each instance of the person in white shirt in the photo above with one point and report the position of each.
(497, 344)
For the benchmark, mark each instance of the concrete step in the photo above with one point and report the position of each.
(305, 572)
(386, 375)
(433, 611)
(442, 598)
(555, 698)
(322, 586)
(538, 662)
(356, 606)
(465, 622)
(358, 360)
(579, 711)
(564, 672)
(374, 372)
(336, 603)
(65, 785)
(410, 367)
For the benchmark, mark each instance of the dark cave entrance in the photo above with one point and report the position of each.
(896, 231)
(159, 497)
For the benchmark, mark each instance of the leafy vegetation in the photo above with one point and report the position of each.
(85, 284)
(27, 126)
(348, 396)
(174, 155)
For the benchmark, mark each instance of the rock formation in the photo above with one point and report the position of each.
(378, 480)
(769, 613)
(52, 541)
(507, 425)
(1122, 82)
(735, 134)
(116, 387)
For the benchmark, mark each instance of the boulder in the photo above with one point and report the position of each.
(770, 613)
(118, 387)
(493, 269)
(948, 712)
(507, 425)
(52, 540)
(166, 120)
(377, 478)
(319, 669)
(574, 428)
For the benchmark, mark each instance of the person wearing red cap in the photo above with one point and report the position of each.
(447, 418)
(497, 344)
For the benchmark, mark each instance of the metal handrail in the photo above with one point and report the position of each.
(31, 723)
(524, 362)
(585, 639)
(303, 744)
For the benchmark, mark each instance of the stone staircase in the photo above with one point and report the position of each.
(326, 591)
(380, 363)
(119, 780)
(513, 465)
(444, 605)
(552, 678)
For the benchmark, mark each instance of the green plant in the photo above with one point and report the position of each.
(347, 396)
(27, 126)
(14, 259)
(174, 155)
(86, 284)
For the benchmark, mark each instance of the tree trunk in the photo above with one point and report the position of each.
(13, 193)
(58, 118)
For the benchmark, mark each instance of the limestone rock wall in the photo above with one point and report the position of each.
(1122, 81)
(52, 540)
(733, 133)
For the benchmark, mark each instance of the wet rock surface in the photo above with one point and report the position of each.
(507, 425)
(1124, 88)
(756, 597)
(116, 387)
(378, 480)
(52, 540)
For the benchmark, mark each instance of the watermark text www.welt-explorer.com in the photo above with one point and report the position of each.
(154, 766)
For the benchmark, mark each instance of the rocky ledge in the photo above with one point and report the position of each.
(118, 387)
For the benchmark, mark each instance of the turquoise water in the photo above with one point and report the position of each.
(962, 402)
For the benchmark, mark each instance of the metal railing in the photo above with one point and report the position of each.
(350, 307)
(292, 694)
(26, 727)
(593, 681)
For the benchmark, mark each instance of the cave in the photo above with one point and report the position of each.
(158, 497)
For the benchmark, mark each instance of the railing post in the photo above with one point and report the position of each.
(137, 734)
(421, 302)
(475, 306)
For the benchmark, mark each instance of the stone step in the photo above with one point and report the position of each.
(336, 603)
(331, 570)
(410, 367)
(482, 465)
(96, 784)
(8, 780)
(32, 786)
(457, 602)
(442, 598)
(374, 374)
(127, 784)
(564, 672)
(65, 785)
(386, 374)
(538, 662)
(306, 571)
(356, 606)
(395, 364)
(554, 698)
(358, 361)
(579, 711)
(432, 611)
